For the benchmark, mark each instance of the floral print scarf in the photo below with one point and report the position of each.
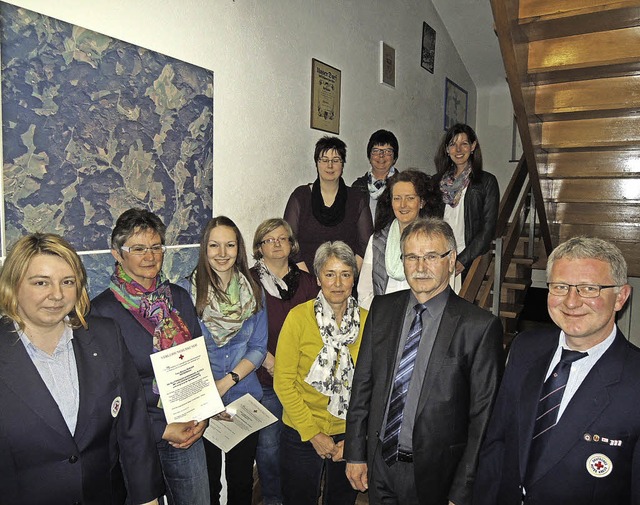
(452, 187)
(153, 309)
(332, 371)
(223, 318)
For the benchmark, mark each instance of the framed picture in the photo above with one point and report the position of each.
(325, 97)
(387, 65)
(455, 104)
(428, 47)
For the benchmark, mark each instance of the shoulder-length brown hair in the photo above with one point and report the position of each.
(205, 277)
(442, 159)
(17, 263)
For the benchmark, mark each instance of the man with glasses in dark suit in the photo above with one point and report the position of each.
(426, 379)
(566, 424)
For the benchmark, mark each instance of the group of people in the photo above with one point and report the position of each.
(396, 389)
(370, 215)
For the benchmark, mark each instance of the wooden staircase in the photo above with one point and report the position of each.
(573, 68)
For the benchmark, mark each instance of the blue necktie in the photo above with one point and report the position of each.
(401, 387)
(549, 406)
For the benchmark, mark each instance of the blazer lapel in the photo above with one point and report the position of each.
(528, 404)
(88, 360)
(444, 336)
(391, 332)
(20, 375)
(586, 405)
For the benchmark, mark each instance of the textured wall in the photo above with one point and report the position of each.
(260, 52)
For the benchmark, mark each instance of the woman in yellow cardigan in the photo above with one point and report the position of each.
(315, 359)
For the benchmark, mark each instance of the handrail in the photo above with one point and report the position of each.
(509, 226)
(514, 55)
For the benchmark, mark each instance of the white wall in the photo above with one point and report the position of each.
(494, 127)
(260, 52)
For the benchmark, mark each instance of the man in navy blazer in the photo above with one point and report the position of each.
(591, 455)
(454, 382)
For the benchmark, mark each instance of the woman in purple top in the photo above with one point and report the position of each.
(285, 286)
(328, 210)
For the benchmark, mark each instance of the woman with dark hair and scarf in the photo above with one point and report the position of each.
(409, 195)
(328, 209)
(152, 315)
(471, 196)
(285, 286)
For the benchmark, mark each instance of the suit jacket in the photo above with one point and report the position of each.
(41, 462)
(605, 406)
(459, 389)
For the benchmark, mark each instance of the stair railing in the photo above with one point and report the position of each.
(517, 206)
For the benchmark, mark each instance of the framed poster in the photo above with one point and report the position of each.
(428, 47)
(387, 65)
(325, 97)
(455, 104)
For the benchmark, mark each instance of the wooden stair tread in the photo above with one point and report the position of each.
(592, 190)
(511, 310)
(522, 260)
(577, 51)
(536, 10)
(591, 133)
(516, 283)
(594, 213)
(593, 95)
(583, 164)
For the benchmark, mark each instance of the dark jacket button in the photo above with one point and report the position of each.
(73, 459)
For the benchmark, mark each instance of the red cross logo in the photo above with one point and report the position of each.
(181, 356)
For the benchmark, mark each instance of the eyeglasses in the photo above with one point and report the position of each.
(333, 161)
(140, 250)
(584, 290)
(432, 257)
(382, 152)
(272, 241)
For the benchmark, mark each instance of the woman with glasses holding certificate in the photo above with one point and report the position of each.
(152, 315)
(327, 209)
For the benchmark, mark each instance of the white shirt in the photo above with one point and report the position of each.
(454, 216)
(365, 282)
(579, 369)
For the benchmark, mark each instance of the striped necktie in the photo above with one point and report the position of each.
(401, 387)
(549, 405)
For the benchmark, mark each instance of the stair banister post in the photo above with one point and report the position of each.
(532, 225)
(497, 281)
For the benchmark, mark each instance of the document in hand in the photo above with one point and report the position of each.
(187, 389)
(248, 415)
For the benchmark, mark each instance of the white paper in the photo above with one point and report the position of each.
(248, 416)
(185, 382)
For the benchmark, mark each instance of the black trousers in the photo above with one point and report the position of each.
(238, 471)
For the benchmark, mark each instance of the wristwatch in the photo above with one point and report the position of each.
(235, 377)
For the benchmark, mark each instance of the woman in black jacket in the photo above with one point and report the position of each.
(470, 195)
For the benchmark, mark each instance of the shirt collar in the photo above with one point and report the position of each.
(596, 349)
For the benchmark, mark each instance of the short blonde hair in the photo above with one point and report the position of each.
(17, 263)
(267, 227)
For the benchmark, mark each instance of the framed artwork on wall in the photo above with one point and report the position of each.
(325, 97)
(428, 47)
(387, 65)
(455, 104)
